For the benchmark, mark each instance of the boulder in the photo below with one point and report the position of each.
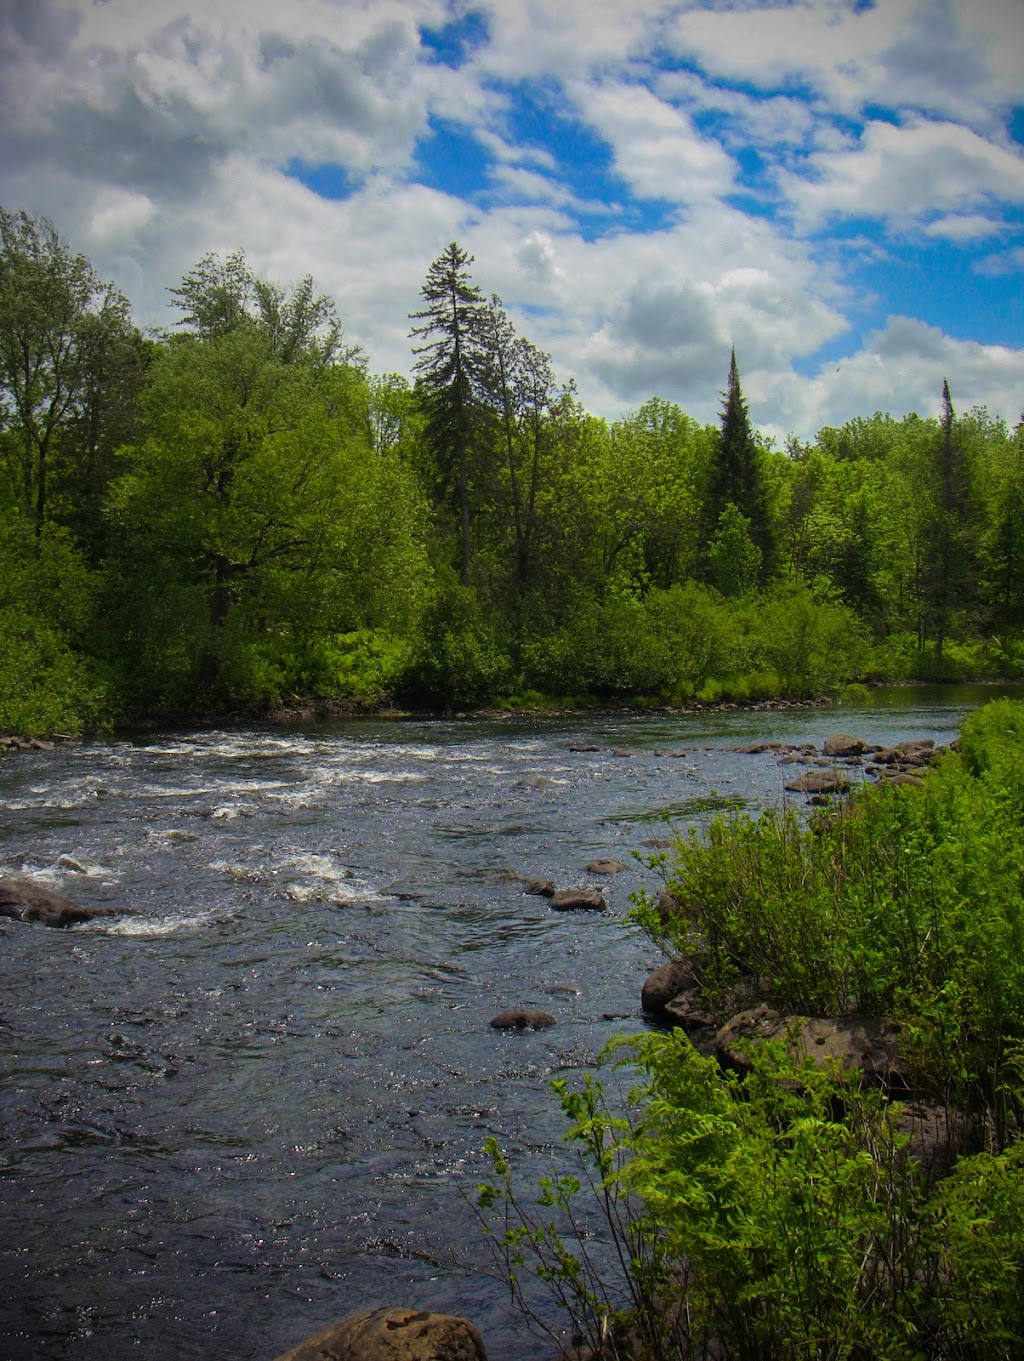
(578, 900)
(540, 888)
(30, 902)
(901, 777)
(605, 866)
(522, 1018)
(918, 752)
(819, 782)
(687, 1011)
(864, 1045)
(668, 980)
(842, 744)
(393, 1335)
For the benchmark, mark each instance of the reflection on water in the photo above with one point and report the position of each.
(258, 1103)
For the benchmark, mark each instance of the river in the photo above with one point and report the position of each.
(258, 1103)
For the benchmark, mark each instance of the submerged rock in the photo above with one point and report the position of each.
(522, 1018)
(578, 900)
(604, 866)
(393, 1335)
(27, 901)
(540, 888)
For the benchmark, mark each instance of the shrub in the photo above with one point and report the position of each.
(782, 1215)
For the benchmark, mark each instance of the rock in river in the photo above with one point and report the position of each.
(578, 900)
(393, 1335)
(606, 865)
(30, 902)
(820, 782)
(842, 744)
(540, 888)
(666, 982)
(522, 1018)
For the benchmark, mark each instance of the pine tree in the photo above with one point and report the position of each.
(735, 480)
(950, 553)
(452, 366)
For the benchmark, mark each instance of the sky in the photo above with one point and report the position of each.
(834, 187)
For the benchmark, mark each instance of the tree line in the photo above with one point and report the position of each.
(235, 513)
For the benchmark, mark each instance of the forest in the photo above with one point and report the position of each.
(235, 514)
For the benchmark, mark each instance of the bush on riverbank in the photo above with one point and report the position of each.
(906, 903)
(786, 1215)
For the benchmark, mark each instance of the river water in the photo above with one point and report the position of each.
(258, 1103)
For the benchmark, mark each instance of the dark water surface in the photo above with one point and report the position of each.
(259, 1103)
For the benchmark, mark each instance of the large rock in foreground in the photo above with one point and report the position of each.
(393, 1335)
(862, 1046)
(666, 982)
(30, 902)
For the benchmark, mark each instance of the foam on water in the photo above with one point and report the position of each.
(155, 928)
(327, 775)
(323, 878)
(79, 864)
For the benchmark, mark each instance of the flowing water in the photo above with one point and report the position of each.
(258, 1102)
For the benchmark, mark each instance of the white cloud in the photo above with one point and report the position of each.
(656, 149)
(963, 227)
(153, 131)
(907, 171)
(899, 369)
(1004, 262)
(568, 39)
(958, 58)
(117, 215)
(764, 121)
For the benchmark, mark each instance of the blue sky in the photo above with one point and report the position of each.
(835, 187)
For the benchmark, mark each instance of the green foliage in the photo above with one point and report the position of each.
(458, 661)
(733, 558)
(735, 478)
(46, 609)
(783, 1216)
(779, 1218)
(47, 687)
(248, 496)
(906, 903)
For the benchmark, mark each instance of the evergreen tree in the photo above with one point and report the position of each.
(452, 366)
(949, 550)
(735, 479)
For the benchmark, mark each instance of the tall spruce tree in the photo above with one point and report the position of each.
(950, 550)
(453, 371)
(734, 479)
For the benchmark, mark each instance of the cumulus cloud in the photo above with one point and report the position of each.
(153, 131)
(656, 149)
(963, 227)
(161, 111)
(908, 170)
(959, 58)
(899, 369)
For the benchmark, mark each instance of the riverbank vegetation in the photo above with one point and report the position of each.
(236, 513)
(799, 1211)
